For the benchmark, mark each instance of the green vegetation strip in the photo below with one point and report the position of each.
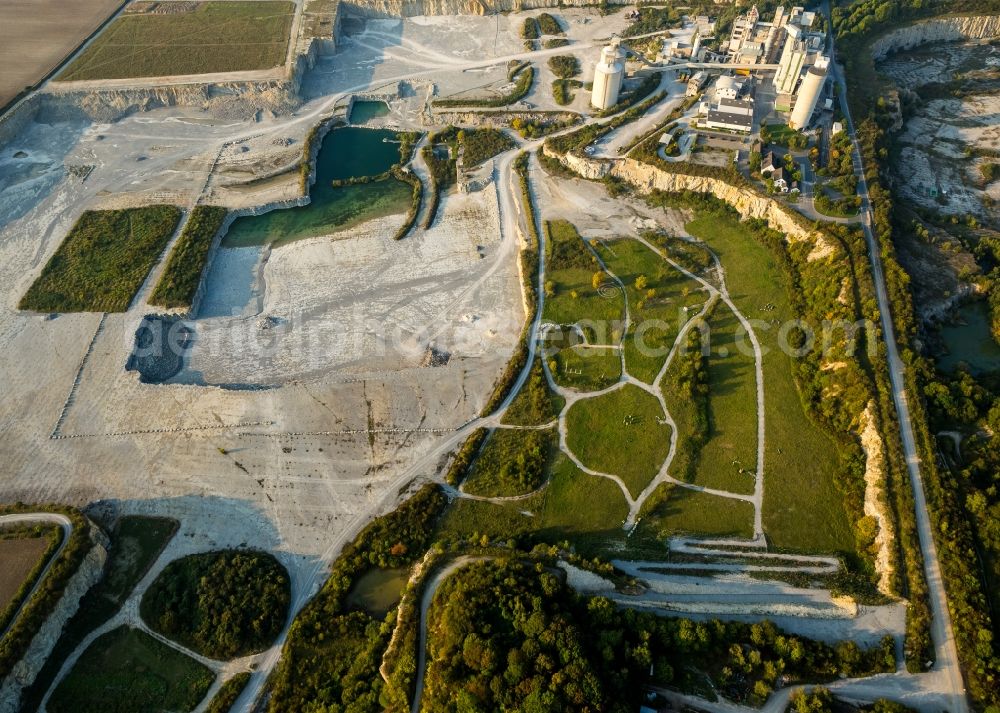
(182, 275)
(442, 168)
(127, 670)
(223, 701)
(103, 261)
(332, 656)
(20, 546)
(232, 36)
(535, 404)
(220, 604)
(523, 80)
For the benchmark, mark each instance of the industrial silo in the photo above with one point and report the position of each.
(608, 76)
(809, 93)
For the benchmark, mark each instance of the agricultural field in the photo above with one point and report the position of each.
(103, 261)
(197, 38)
(127, 670)
(22, 557)
(182, 275)
(36, 35)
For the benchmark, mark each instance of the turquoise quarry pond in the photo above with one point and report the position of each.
(971, 342)
(364, 111)
(348, 152)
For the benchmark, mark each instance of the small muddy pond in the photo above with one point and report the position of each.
(364, 111)
(971, 341)
(349, 152)
(378, 591)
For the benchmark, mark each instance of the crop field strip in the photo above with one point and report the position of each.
(104, 260)
(215, 37)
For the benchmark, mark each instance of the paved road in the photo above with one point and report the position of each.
(34, 518)
(946, 652)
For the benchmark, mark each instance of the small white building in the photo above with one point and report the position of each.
(729, 87)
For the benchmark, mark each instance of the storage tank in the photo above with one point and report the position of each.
(608, 76)
(809, 91)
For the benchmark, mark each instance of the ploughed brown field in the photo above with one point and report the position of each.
(36, 35)
(17, 558)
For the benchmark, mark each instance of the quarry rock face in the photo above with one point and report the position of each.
(413, 8)
(946, 29)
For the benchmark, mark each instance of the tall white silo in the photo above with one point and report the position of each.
(809, 93)
(608, 76)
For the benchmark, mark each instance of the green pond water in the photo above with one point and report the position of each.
(971, 342)
(346, 153)
(378, 591)
(365, 111)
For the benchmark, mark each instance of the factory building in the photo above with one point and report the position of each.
(793, 58)
(608, 77)
(731, 115)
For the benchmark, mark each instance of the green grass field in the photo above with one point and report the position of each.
(732, 410)
(103, 261)
(570, 293)
(230, 36)
(619, 433)
(127, 670)
(803, 510)
(586, 368)
(535, 404)
(585, 508)
(513, 462)
(656, 315)
(682, 511)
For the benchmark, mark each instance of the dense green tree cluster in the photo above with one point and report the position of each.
(512, 462)
(220, 604)
(564, 66)
(549, 25)
(510, 635)
(530, 29)
(331, 658)
(480, 145)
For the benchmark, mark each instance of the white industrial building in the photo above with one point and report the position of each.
(793, 59)
(730, 87)
(608, 77)
(730, 115)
